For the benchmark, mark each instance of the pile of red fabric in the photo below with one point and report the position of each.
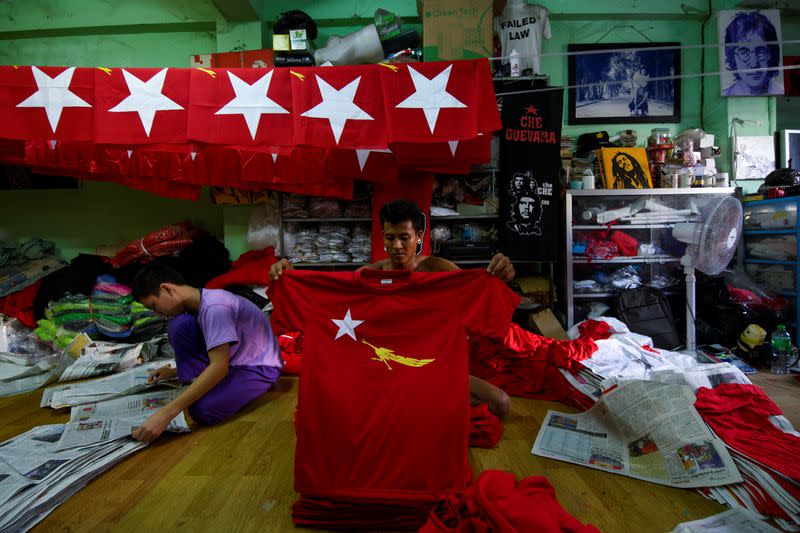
(168, 240)
(496, 501)
(750, 300)
(526, 364)
(739, 415)
(610, 243)
(20, 304)
(485, 429)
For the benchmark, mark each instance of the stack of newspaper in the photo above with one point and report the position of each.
(43, 467)
(760, 481)
(100, 389)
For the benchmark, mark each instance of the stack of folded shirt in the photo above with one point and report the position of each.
(110, 312)
(111, 303)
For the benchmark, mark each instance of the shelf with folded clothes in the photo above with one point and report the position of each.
(769, 261)
(626, 259)
(326, 264)
(599, 295)
(770, 231)
(621, 226)
(327, 220)
(445, 218)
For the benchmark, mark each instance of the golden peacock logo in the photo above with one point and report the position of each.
(385, 355)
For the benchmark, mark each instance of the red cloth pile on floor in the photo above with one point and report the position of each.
(496, 501)
(526, 364)
(20, 304)
(739, 415)
(252, 268)
(485, 429)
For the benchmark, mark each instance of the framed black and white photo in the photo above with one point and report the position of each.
(624, 83)
(750, 52)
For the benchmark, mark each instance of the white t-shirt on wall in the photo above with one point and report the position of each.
(522, 27)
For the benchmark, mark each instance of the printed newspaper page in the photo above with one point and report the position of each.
(642, 429)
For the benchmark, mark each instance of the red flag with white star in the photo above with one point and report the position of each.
(373, 165)
(42, 103)
(241, 106)
(486, 105)
(339, 107)
(141, 105)
(428, 102)
(452, 157)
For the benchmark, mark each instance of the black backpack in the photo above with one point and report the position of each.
(645, 310)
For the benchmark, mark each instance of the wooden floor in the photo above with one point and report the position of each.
(238, 476)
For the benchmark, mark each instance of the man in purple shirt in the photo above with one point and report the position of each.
(223, 344)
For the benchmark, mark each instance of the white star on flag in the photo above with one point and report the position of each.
(363, 155)
(145, 98)
(53, 95)
(430, 95)
(251, 101)
(453, 147)
(337, 106)
(347, 326)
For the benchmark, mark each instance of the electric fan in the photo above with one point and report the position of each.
(712, 242)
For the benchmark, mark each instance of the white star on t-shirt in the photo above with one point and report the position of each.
(363, 155)
(347, 326)
(145, 98)
(430, 95)
(251, 101)
(53, 95)
(337, 106)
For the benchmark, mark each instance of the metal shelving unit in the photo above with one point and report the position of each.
(773, 273)
(647, 233)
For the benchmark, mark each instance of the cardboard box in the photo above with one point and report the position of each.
(243, 59)
(456, 29)
(545, 323)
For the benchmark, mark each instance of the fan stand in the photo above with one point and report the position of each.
(691, 304)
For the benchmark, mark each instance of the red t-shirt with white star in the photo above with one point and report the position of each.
(383, 400)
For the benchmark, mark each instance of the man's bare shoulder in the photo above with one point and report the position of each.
(383, 264)
(436, 264)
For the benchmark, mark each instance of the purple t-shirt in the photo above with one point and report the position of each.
(227, 318)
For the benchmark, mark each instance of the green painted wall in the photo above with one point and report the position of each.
(99, 33)
(166, 33)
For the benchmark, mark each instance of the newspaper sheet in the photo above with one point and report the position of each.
(642, 429)
(115, 419)
(733, 521)
(705, 375)
(95, 358)
(105, 388)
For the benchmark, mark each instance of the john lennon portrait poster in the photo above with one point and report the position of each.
(750, 52)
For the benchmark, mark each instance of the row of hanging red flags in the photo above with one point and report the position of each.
(310, 130)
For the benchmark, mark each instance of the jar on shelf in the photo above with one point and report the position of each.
(659, 145)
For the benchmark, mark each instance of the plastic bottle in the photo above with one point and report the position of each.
(513, 62)
(781, 350)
